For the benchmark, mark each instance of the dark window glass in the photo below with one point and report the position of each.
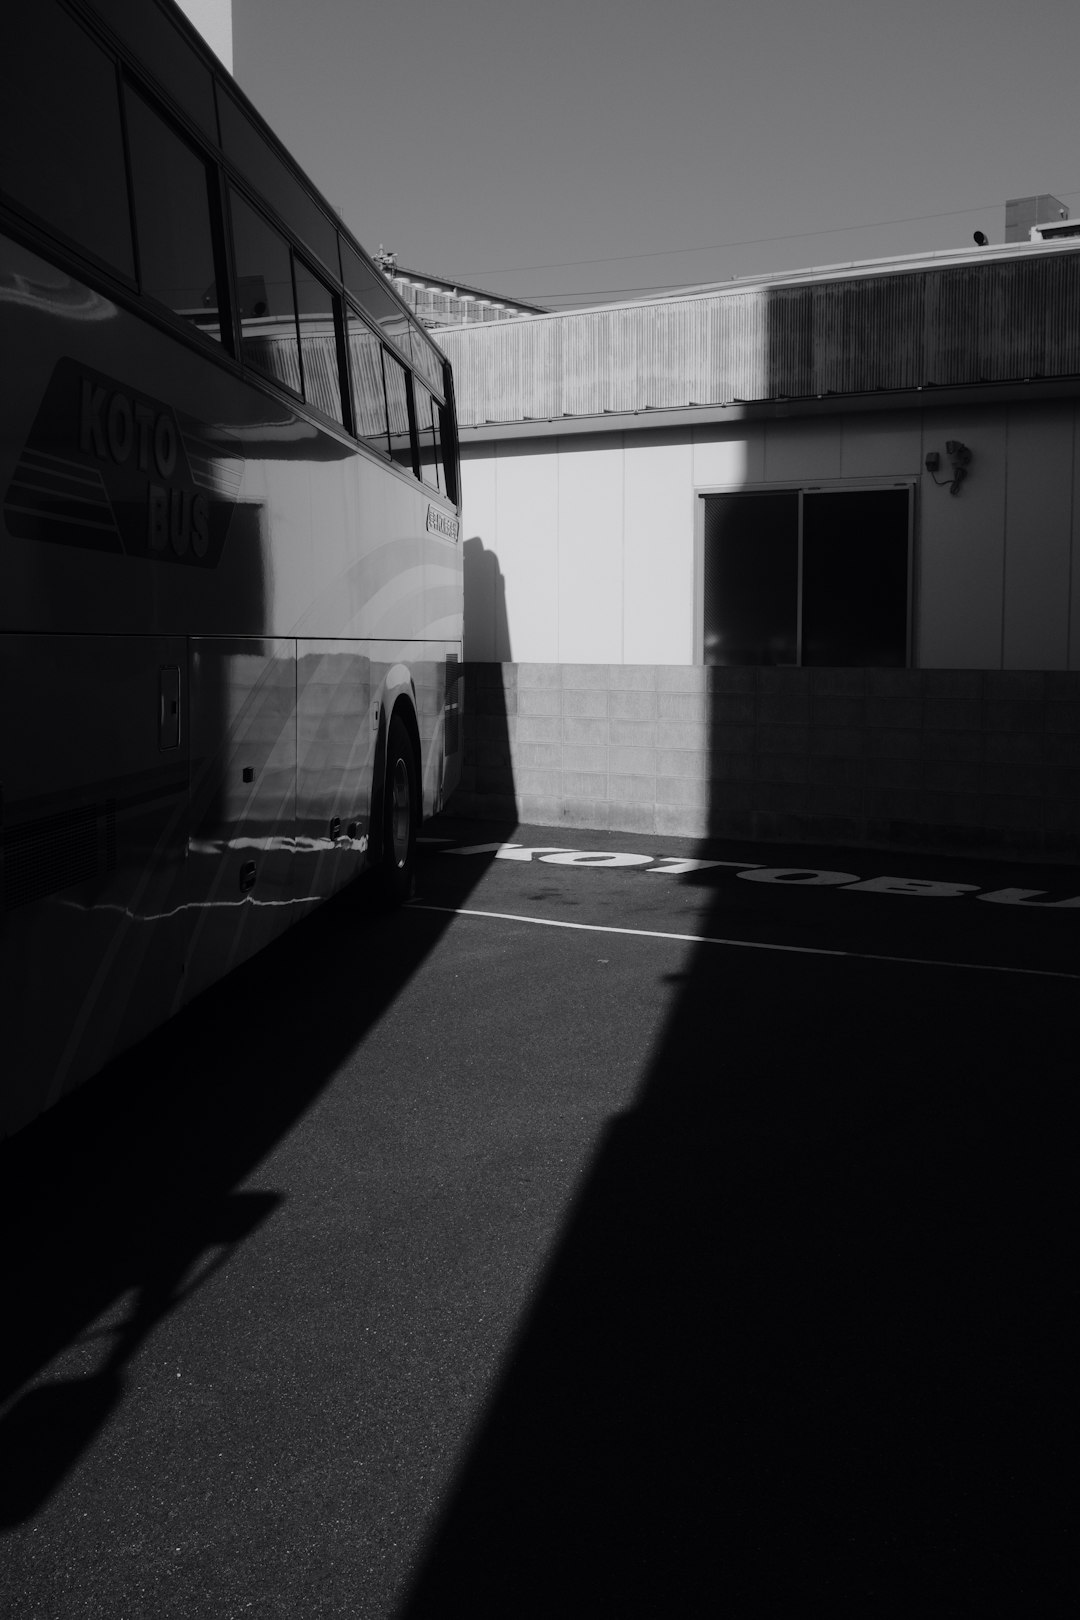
(170, 58)
(319, 319)
(397, 410)
(372, 292)
(397, 330)
(172, 218)
(427, 362)
(61, 150)
(446, 450)
(426, 435)
(751, 578)
(265, 291)
(268, 173)
(436, 414)
(855, 578)
(369, 397)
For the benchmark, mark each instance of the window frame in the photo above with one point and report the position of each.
(11, 206)
(802, 488)
(224, 176)
(246, 366)
(220, 224)
(410, 408)
(351, 311)
(436, 485)
(310, 264)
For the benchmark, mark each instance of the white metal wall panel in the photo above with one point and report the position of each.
(480, 558)
(590, 550)
(565, 539)
(885, 445)
(1038, 516)
(728, 453)
(799, 450)
(527, 522)
(658, 555)
(961, 548)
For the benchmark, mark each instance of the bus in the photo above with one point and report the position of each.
(230, 558)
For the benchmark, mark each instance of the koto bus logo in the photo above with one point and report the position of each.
(119, 428)
(106, 468)
(439, 523)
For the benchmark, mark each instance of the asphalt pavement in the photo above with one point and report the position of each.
(629, 1225)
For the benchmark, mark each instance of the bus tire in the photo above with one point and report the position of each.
(401, 815)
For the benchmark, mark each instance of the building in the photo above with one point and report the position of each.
(864, 473)
(214, 20)
(438, 302)
(1024, 216)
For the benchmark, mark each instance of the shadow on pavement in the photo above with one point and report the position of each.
(803, 1341)
(124, 1199)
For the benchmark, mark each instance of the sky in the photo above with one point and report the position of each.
(582, 149)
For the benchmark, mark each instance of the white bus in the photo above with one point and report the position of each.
(230, 560)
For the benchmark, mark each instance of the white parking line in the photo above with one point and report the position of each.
(741, 944)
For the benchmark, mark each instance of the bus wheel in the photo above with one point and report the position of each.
(401, 814)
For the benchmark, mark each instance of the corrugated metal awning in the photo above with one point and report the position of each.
(1009, 316)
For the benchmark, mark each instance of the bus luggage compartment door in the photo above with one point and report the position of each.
(241, 890)
(93, 812)
(335, 753)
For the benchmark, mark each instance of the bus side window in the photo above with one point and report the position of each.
(268, 335)
(172, 219)
(425, 362)
(369, 396)
(397, 407)
(425, 433)
(372, 293)
(320, 314)
(265, 170)
(63, 152)
(444, 434)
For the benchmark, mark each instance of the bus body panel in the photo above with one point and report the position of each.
(278, 622)
(95, 822)
(242, 817)
(306, 534)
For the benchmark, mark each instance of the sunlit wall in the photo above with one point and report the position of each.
(597, 541)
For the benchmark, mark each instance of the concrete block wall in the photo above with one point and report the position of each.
(959, 761)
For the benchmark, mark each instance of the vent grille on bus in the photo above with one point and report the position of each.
(52, 853)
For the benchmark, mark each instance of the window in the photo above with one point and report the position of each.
(319, 319)
(445, 433)
(267, 171)
(268, 336)
(172, 218)
(166, 55)
(397, 410)
(61, 149)
(368, 394)
(814, 578)
(855, 578)
(427, 362)
(372, 292)
(440, 453)
(751, 578)
(426, 434)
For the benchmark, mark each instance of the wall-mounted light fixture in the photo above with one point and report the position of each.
(959, 459)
